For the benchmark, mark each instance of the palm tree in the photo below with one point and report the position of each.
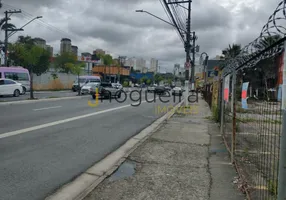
(5, 26)
(232, 51)
(267, 42)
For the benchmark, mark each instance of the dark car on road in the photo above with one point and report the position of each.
(160, 90)
(105, 90)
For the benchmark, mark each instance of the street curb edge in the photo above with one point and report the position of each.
(40, 100)
(85, 183)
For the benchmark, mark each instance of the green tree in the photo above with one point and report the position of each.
(231, 51)
(33, 58)
(107, 61)
(63, 59)
(158, 78)
(5, 26)
(13, 58)
(148, 82)
(77, 69)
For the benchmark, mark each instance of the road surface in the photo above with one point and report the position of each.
(44, 145)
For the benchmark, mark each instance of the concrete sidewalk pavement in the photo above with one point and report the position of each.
(184, 159)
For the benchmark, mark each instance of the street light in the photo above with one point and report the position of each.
(143, 11)
(38, 17)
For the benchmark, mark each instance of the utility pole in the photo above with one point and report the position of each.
(194, 37)
(6, 33)
(187, 49)
(121, 63)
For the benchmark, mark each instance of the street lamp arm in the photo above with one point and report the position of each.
(160, 19)
(38, 17)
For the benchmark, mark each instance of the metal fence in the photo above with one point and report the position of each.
(251, 111)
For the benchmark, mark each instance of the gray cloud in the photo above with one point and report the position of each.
(114, 25)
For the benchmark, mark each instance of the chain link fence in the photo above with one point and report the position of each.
(250, 110)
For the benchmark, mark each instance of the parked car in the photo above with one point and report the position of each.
(160, 90)
(177, 91)
(117, 85)
(168, 88)
(105, 90)
(10, 87)
(87, 87)
(83, 80)
(151, 88)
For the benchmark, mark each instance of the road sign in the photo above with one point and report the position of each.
(187, 65)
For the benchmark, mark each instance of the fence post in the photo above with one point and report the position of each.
(222, 109)
(282, 156)
(233, 99)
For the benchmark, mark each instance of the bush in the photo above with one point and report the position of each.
(125, 84)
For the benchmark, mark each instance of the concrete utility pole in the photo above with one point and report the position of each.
(121, 63)
(6, 33)
(187, 49)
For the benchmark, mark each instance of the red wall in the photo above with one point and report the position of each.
(280, 69)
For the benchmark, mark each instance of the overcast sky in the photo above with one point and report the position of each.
(113, 25)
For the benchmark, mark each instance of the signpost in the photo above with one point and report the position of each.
(187, 65)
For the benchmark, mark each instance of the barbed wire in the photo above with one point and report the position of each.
(252, 53)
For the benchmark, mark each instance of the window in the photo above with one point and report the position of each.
(1, 82)
(17, 76)
(106, 85)
(94, 80)
(9, 82)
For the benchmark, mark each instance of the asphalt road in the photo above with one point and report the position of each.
(47, 95)
(44, 145)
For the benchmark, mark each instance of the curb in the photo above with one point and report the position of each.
(41, 100)
(85, 183)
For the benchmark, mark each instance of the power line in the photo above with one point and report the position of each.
(42, 22)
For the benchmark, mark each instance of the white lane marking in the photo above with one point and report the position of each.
(47, 108)
(25, 130)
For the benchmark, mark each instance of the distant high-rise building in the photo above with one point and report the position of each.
(177, 69)
(50, 49)
(40, 42)
(153, 65)
(130, 62)
(140, 64)
(65, 45)
(74, 49)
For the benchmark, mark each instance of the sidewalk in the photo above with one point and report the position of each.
(184, 159)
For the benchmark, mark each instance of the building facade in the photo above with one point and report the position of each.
(153, 65)
(50, 49)
(74, 50)
(65, 45)
(176, 69)
(140, 64)
(130, 62)
(40, 42)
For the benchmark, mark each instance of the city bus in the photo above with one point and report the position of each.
(18, 74)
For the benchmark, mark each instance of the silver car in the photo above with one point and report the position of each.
(87, 88)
